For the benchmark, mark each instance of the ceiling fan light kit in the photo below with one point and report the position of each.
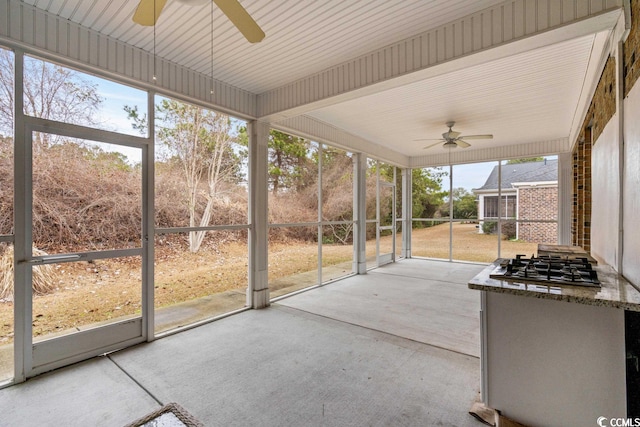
(453, 139)
(449, 145)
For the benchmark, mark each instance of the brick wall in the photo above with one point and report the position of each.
(632, 49)
(538, 203)
(601, 110)
(581, 210)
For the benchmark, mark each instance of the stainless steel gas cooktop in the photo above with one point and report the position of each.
(547, 270)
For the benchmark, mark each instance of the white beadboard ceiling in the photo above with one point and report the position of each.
(531, 96)
(302, 36)
(512, 98)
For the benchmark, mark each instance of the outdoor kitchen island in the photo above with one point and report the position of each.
(554, 354)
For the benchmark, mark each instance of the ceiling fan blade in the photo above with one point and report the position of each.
(462, 144)
(477, 136)
(144, 14)
(432, 145)
(429, 139)
(241, 19)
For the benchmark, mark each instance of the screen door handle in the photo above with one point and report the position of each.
(49, 259)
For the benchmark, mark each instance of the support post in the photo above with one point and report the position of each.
(258, 287)
(621, 149)
(407, 212)
(22, 299)
(359, 213)
(148, 224)
(565, 197)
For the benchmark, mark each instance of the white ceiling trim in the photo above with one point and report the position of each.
(319, 131)
(459, 156)
(307, 36)
(57, 39)
(607, 43)
(519, 99)
(503, 30)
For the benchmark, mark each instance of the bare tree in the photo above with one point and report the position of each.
(199, 140)
(6, 92)
(50, 91)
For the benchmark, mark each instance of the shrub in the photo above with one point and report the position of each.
(508, 228)
(489, 227)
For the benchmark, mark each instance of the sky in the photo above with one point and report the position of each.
(472, 175)
(115, 96)
(112, 115)
(468, 176)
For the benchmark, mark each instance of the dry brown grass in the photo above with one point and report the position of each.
(87, 293)
(468, 244)
(181, 275)
(44, 276)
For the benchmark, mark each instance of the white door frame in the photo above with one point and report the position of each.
(34, 358)
(386, 258)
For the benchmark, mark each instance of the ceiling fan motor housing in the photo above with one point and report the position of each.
(451, 135)
(453, 139)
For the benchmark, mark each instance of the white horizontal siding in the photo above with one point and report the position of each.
(319, 131)
(457, 156)
(59, 39)
(500, 24)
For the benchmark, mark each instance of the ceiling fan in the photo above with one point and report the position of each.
(148, 11)
(453, 139)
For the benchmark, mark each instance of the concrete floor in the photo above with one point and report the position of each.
(397, 347)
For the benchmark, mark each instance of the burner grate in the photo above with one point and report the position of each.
(552, 270)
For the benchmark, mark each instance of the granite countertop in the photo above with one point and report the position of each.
(615, 292)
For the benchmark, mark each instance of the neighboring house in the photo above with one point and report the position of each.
(529, 193)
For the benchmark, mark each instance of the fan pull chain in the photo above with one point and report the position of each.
(211, 48)
(154, 41)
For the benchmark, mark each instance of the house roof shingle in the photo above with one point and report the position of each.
(546, 170)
